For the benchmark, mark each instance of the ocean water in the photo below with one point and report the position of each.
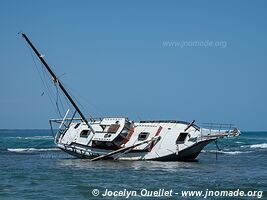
(32, 168)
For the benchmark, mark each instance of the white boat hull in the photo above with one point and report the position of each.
(121, 139)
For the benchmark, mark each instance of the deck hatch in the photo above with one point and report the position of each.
(143, 136)
(113, 128)
(84, 133)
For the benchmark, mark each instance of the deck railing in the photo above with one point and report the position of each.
(218, 130)
(64, 125)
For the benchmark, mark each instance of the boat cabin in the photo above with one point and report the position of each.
(112, 133)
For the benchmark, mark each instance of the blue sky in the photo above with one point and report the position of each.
(114, 58)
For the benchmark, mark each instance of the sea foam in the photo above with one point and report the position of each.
(19, 150)
(39, 138)
(262, 146)
(225, 152)
(45, 137)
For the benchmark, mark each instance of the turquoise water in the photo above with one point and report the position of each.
(32, 168)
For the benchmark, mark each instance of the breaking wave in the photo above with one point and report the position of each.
(261, 146)
(234, 152)
(225, 152)
(34, 138)
(240, 142)
(39, 138)
(19, 150)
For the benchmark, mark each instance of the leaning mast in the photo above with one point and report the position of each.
(56, 80)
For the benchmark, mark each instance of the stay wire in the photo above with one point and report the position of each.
(48, 86)
(75, 99)
(92, 106)
(43, 81)
(53, 96)
(58, 99)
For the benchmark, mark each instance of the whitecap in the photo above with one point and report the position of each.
(235, 152)
(39, 138)
(262, 146)
(240, 142)
(225, 152)
(18, 150)
(46, 137)
(18, 137)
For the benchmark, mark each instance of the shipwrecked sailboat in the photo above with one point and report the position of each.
(120, 138)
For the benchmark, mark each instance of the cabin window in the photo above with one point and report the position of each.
(109, 144)
(143, 136)
(127, 124)
(84, 133)
(113, 128)
(125, 132)
(77, 125)
(181, 138)
(119, 140)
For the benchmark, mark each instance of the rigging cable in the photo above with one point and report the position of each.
(67, 102)
(48, 78)
(54, 96)
(46, 87)
(57, 100)
(76, 100)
